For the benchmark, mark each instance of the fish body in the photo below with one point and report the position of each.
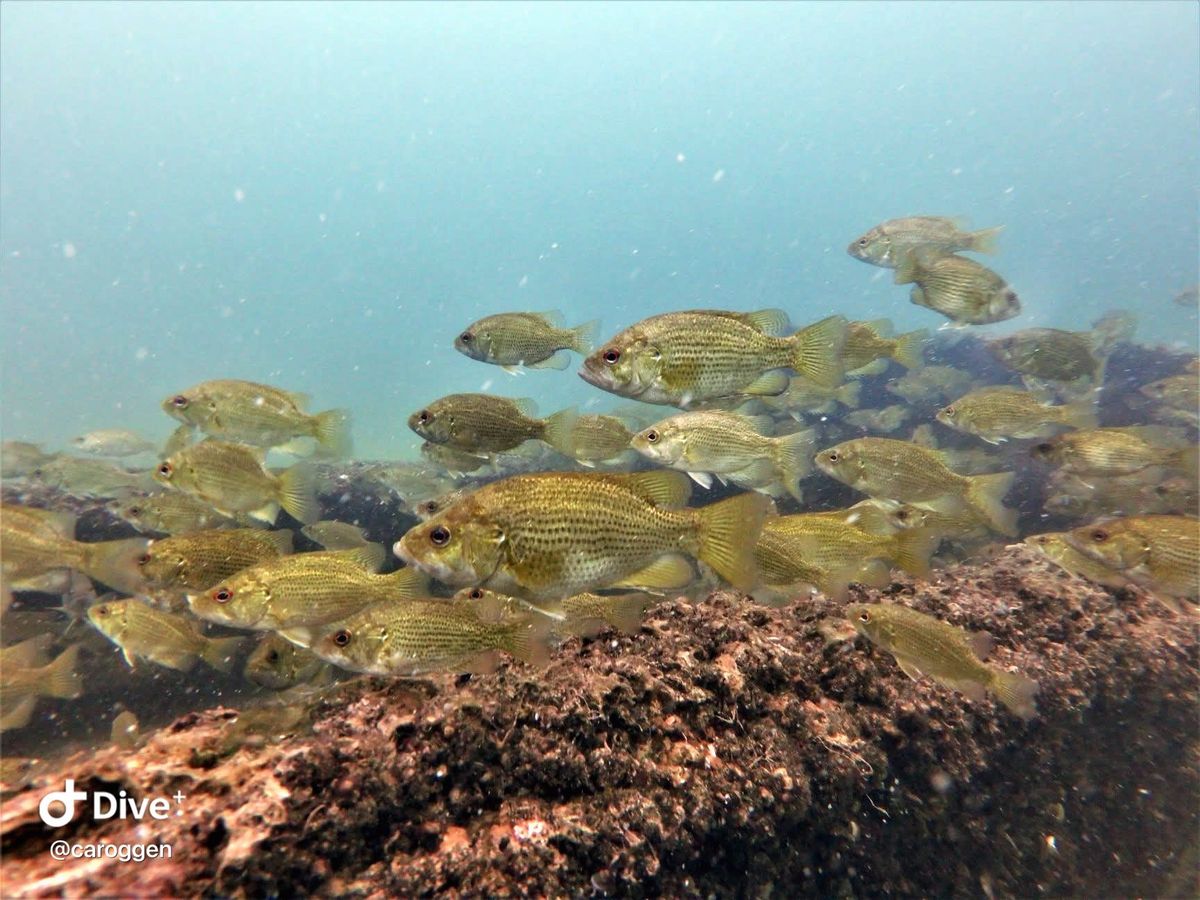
(598, 438)
(997, 414)
(196, 561)
(1051, 353)
(112, 442)
(167, 639)
(258, 414)
(684, 358)
(1055, 547)
(930, 384)
(730, 446)
(278, 664)
(899, 470)
(233, 478)
(483, 424)
(923, 645)
(525, 339)
(1178, 392)
(960, 289)
(867, 342)
(803, 396)
(1114, 451)
(173, 512)
(21, 458)
(554, 534)
(887, 420)
(888, 243)
(91, 477)
(333, 535)
(1159, 553)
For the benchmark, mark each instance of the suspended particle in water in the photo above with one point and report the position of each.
(718, 175)
(239, 195)
(68, 250)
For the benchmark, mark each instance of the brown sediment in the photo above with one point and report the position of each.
(725, 750)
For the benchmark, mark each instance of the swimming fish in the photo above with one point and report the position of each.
(730, 446)
(125, 730)
(684, 358)
(899, 470)
(1052, 354)
(888, 243)
(871, 342)
(456, 462)
(923, 645)
(553, 534)
(887, 419)
(483, 424)
(278, 664)
(581, 615)
(1054, 546)
(167, 639)
(995, 414)
(233, 478)
(21, 458)
(334, 535)
(196, 561)
(173, 512)
(803, 396)
(930, 384)
(91, 477)
(961, 289)
(597, 439)
(1159, 553)
(525, 339)
(1116, 451)
(112, 442)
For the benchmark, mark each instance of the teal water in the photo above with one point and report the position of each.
(321, 196)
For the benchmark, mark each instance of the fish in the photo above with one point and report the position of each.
(888, 243)
(887, 420)
(126, 730)
(1054, 546)
(930, 384)
(167, 639)
(1159, 553)
(581, 615)
(484, 424)
(434, 505)
(1116, 451)
(294, 593)
(414, 637)
(923, 645)
(21, 458)
(554, 534)
(730, 446)
(91, 477)
(829, 554)
(172, 512)
(1188, 297)
(233, 478)
(335, 535)
(278, 664)
(960, 289)
(684, 358)
(871, 342)
(945, 517)
(803, 396)
(995, 414)
(1178, 392)
(22, 685)
(1052, 354)
(116, 442)
(259, 414)
(899, 470)
(525, 339)
(201, 559)
(598, 439)
(39, 549)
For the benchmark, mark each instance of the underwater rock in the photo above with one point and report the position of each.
(726, 749)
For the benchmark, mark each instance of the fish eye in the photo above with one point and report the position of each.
(1044, 447)
(134, 510)
(833, 456)
(652, 436)
(165, 469)
(423, 416)
(902, 515)
(273, 656)
(476, 594)
(102, 610)
(143, 559)
(862, 242)
(179, 401)
(1099, 535)
(466, 337)
(222, 595)
(440, 536)
(864, 616)
(342, 638)
(611, 355)
(948, 411)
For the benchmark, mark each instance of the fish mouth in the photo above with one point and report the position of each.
(591, 372)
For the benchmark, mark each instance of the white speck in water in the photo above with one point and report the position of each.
(718, 175)
(322, 217)
(554, 246)
(141, 354)
(69, 250)
(239, 195)
(679, 157)
(226, 312)
(524, 281)
(1009, 189)
(486, 386)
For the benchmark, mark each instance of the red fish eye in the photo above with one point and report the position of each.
(342, 638)
(143, 559)
(102, 610)
(179, 401)
(223, 595)
(165, 469)
(467, 337)
(1099, 536)
(476, 594)
(651, 436)
(611, 355)
(440, 536)
(273, 656)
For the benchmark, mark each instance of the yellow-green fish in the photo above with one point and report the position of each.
(485, 424)
(21, 685)
(868, 342)
(1159, 553)
(412, 637)
(278, 664)
(887, 420)
(944, 516)
(598, 439)
(233, 478)
(828, 553)
(554, 534)
(1052, 354)
(899, 470)
(730, 446)
(996, 414)
(525, 339)
(434, 505)
(258, 414)
(684, 358)
(1115, 451)
(1179, 392)
(930, 384)
(20, 458)
(334, 535)
(91, 477)
(167, 639)
(581, 615)
(298, 592)
(888, 243)
(923, 645)
(112, 442)
(960, 289)
(1054, 546)
(802, 396)
(173, 512)
(197, 561)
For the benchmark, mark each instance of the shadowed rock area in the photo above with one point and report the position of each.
(727, 749)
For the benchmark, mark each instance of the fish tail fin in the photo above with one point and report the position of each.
(985, 493)
(913, 547)
(793, 459)
(60, 678)
(816, 351)
(115, 563)
(984, 240)
(910, 348)
(529, 639)
(728, 533)
(220, 652)
(849, 393)
(1080, 414)
(559, 430)
(332, 431)
(298, 493)
(1017, 692)
(583, 337)
(1187, 459)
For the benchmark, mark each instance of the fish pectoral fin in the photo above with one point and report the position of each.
(701, 478)
(669, 571)
(909, 668)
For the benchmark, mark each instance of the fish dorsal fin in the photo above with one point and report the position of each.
(551, 317)
(981, 644)
(525, 406)
(301, 399)
(772, 322)
(909, 668)
(670, 571)
(660, 487)
(881, 327)
(371, 557)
